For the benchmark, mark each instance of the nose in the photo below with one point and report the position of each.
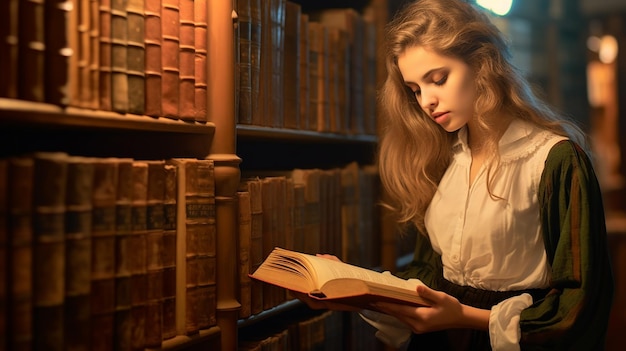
(428, 100)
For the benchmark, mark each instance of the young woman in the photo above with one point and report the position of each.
(512, 249)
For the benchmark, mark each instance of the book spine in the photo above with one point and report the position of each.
(256, 242)
(169, 253)
(256, 35)
(244, 230)
(83, 52)
(73, 87)
(119, 43)
(123, 251)
(201, 47)
(20, 260)
(244, 93)
(50, 181)
(206, 246)
(136, 56)
(4, 252)
(154, 253)
(187, 61)
(190, 254)
(277, 42)
(103, 253)
(153, 58)
(138, 284)
(80, 174)
(291, 70)
(58, 51)
(303, 47)
(104, 80)
(94, 55)
(9, 35)
(170, 29)
(31, 50)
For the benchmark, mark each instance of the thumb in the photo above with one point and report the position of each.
(426, 292)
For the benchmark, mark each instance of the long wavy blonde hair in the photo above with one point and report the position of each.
(414, 152)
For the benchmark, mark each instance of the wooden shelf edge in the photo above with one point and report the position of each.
(181, 342)
(25, 113)
(257, 132)
(276, 311)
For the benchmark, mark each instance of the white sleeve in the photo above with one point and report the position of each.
(504, 329)
(390, 330)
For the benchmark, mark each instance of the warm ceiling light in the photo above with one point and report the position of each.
(608, 49)
(499, 7)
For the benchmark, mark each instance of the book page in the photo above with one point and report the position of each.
(323, 270)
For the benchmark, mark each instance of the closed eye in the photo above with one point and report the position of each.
(442, 81)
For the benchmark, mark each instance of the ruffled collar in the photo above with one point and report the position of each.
(520, 140)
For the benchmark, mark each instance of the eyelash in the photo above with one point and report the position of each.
(440, 82)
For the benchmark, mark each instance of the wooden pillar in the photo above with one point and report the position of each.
(221, 111)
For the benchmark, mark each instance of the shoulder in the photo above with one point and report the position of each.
(567, 153)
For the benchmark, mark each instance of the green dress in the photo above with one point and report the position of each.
(575, 312)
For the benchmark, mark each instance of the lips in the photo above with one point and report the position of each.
(440, 117)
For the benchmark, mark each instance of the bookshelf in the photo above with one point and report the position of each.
(82, 125)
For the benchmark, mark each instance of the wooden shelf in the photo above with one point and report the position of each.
(202, 340)
(98, 133)
(250, 132)
(19, 113)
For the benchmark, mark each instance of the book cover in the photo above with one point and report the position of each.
(20, 255)
(135, 56)
(94, 55)
(291, 66)
(169, 253)
(187, 53)
(335, 281)
(50, 183)
(57, 51)
(139, 228)
(4, 252)
(153, 39)
(244, 230)
(119, 43)
(303, 47)
(105, 58)
(206, 245)
(154, 253)
(256, 33)
(9, 35)
(254, 188)
(77, 314)
(243, 93)
(82, 98)
(123, 251)
(170, 58)
(31, 50)
(200, 61)
(103, 235)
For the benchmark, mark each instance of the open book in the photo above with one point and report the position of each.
(329, 280)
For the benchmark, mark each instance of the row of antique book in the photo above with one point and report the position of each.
(333, 211)
(105, 253)
(309, 71)
(130, 56)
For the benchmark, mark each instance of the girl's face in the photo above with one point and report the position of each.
(444, 86)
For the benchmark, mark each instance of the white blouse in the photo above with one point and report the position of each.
(495, 243)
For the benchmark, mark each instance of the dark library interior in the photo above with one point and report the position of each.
(153, 152)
